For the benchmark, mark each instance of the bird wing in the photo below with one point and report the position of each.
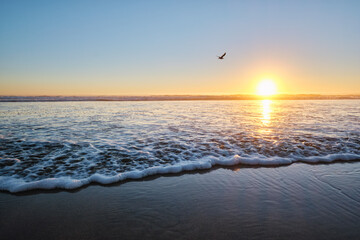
(223, 55)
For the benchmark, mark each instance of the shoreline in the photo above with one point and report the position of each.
(156, 176)
(62, 184)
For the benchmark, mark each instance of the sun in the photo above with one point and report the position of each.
(266, 87)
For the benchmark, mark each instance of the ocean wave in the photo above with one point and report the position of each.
(68, 145)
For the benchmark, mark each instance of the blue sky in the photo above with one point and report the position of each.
(170, 47)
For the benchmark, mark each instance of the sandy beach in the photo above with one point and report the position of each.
(300, 201)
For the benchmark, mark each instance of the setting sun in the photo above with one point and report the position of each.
(266, 87)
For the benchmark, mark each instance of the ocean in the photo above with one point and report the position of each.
(67, 145)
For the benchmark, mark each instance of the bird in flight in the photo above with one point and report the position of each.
(222, 56)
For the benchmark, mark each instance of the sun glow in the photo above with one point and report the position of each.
(266, 87)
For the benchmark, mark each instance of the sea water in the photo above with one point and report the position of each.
(47, 145)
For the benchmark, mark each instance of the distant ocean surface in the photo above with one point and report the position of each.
(47, 145)
(169, 98)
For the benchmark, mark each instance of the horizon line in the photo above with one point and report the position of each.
(183, 97)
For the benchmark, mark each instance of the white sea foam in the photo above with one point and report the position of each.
(14, 185)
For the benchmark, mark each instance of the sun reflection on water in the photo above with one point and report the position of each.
(266, 114)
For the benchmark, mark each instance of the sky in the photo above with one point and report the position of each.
(170, 47)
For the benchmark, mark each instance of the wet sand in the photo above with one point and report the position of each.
(300, 201)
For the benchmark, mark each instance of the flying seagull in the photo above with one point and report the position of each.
(222, 56)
